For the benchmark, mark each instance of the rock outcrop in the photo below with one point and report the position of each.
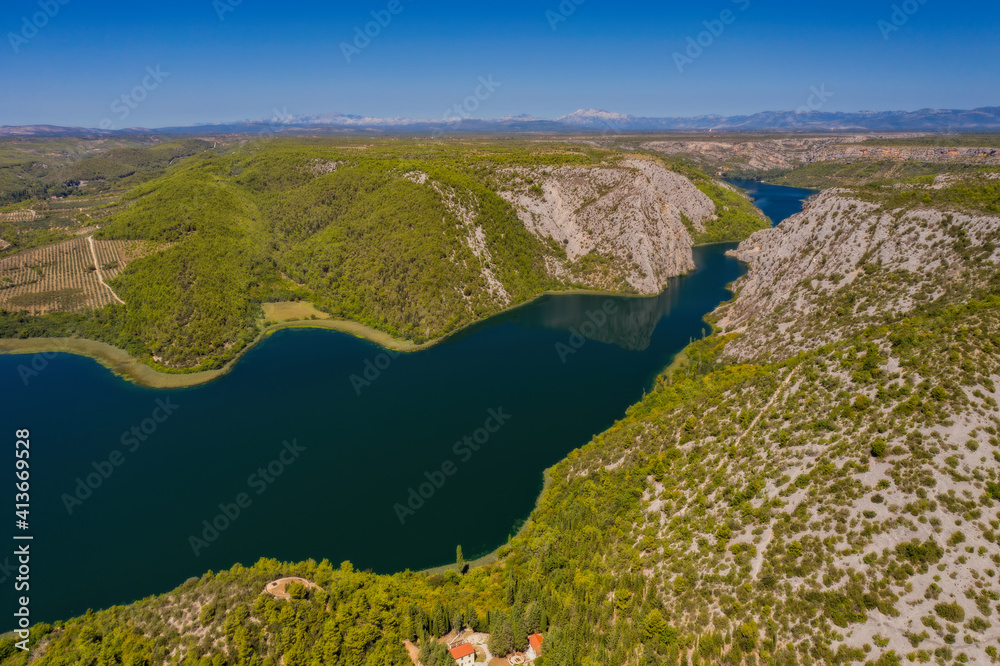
(633, 212)
(796, 295)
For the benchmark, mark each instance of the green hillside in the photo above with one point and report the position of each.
(410, 238)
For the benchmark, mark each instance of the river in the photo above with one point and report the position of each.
(321, 445)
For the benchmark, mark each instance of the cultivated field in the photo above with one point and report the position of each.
(22, 215)
(63, 277)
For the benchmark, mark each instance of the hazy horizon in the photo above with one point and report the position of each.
(217, 61)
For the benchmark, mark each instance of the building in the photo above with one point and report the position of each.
(464, 655)
(534, 647)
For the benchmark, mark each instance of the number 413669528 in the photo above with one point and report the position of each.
(22, 473)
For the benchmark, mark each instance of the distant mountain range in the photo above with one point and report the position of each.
(585, 120)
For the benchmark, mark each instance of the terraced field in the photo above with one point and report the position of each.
(63, 277)
(22, 215)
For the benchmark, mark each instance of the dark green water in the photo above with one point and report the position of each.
(359, 454)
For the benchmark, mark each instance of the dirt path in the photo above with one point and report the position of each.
(770, 403)
(97, 267)
(758, 560)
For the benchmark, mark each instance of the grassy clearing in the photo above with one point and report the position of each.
(284, 311)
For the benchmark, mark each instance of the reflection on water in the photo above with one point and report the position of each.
(626, 322)
(629, 323)
(365, 451)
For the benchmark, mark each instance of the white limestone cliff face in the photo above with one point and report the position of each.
(632, 211)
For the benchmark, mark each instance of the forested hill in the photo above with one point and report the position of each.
(413, 239)
(825, 495)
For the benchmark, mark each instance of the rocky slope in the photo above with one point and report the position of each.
(632, 213)
(848, 260)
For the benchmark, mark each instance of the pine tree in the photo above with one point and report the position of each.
(501, 637)
(439, 621)
(653, 627)
(457, 622)
(533, 618)
(519, 635)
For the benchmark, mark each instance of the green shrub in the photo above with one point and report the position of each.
(950, 612)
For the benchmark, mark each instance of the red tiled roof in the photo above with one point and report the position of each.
(462, 651)
(536, 642)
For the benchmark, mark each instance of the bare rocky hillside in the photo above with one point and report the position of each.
(632, 213)
(845, 262)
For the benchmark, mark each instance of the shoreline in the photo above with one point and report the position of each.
(493, 556)
(127, 367)
(137, 371)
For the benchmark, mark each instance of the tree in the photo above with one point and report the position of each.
(517, 629)
(433, 653)
(439, 620)
(457, 622)
(653, 627)
(459, 559)
(746, 637)
(501, 636)
(296, 590)
(533, 618)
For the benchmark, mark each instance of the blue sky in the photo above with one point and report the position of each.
(69, 62)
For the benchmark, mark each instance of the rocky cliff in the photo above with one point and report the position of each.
(633, 217)
(849, 258)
